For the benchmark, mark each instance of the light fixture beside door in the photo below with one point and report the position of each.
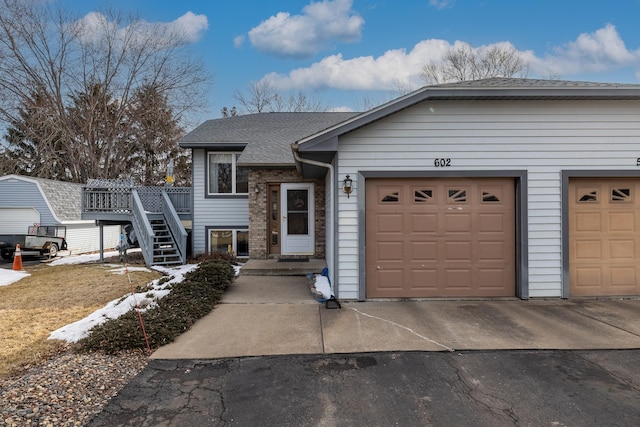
(347, 185)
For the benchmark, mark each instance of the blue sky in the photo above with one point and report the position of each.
(343, 51)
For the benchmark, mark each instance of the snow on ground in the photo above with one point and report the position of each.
(80, 329)
(8, 277)
(84, 258)
(119, 269)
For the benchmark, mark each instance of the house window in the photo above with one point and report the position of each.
(235, 241)
(225, 177)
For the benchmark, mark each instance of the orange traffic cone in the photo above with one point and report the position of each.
(17, 259)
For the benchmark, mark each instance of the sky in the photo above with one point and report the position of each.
(350, 53)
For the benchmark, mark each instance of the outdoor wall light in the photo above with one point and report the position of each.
(257, 189)
(347, 185)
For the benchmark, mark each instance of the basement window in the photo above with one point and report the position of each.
(229, 241)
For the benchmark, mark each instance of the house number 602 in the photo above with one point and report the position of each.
(442, 163)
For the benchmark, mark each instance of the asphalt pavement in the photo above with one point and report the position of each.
(481, 388)
(270, 355)
(27, 261)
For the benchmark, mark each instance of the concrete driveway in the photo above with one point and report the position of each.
(555, 363)
(277, 315)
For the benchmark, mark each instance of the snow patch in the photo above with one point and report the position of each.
(74, 332)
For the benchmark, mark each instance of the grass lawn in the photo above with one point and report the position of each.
(54, 296)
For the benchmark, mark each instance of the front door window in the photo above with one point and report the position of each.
(297, 219)
(298, 212)
(274, 219)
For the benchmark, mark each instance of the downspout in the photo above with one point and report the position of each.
(294, 149)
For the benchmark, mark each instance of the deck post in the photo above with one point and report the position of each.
(101, 242)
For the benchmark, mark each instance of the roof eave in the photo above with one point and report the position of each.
(210, 144)
(274, 165)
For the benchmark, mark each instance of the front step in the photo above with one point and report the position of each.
(273, 267)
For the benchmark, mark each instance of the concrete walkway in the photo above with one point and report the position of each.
(276, 315)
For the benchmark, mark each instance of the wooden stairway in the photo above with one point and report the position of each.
(165, 249)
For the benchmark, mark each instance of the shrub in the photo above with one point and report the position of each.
(189, 300)
(216, 272)
(226, 256)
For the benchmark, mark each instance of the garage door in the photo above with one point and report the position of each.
(604, 236)
(440, 238)
(17, 220)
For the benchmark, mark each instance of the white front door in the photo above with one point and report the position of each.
(297, 218)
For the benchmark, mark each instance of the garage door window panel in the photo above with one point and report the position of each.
(621, 195)
(587, 195)
(421, 196)
(388, 195)
(457, 195)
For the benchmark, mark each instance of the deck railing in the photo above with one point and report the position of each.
(110, 200)
(118, 200)
(175, 226)
(143, 227)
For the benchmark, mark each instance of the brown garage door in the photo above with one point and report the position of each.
(440, 238)
(604, 236)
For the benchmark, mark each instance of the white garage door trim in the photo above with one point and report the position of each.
(17, 220)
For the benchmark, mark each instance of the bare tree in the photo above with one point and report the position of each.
(465, 63)
(226, 112)
(262, 97)
(86, 73)
(258, 97)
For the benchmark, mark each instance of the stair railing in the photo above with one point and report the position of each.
(143, 229)
(175, 226)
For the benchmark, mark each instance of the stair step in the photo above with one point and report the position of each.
(165, 249)
(168, 263)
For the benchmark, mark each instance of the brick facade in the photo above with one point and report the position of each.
(258, 225)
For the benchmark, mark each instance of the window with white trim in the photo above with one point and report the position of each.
(229, 241)
(224, 176)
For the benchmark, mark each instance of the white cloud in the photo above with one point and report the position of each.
(238, 41)
(302, 36)
(599, 51)
(188, 28)
(441, 4)
(593, 52)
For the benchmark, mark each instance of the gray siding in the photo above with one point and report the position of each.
(217, 212)
(543, 137)
(16, 193)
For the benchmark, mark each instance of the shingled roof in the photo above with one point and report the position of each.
(508, 82)
(497, 88)
(266, 137)
(64, 198)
